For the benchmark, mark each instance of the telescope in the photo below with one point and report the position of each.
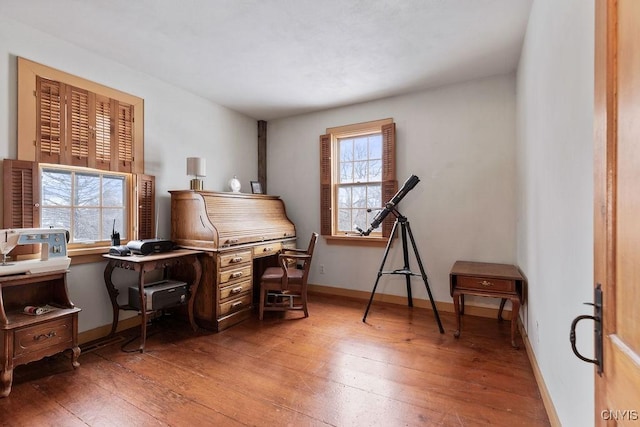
(390, 206)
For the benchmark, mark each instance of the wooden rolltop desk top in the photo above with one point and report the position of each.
(215, 221)
(240, 235)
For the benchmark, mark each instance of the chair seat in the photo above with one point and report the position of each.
(274, 274)
(279, 286)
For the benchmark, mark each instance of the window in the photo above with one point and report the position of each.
(357, 178)
(88, 204)
(80, 160)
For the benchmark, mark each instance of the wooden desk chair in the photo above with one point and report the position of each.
(279, 286)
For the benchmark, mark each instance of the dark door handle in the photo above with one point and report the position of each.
(597, 330)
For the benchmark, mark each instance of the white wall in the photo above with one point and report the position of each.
(555, 176)
(177, 125)
(459, 140)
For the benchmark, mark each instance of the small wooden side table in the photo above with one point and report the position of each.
(487, 280)
(143, 264)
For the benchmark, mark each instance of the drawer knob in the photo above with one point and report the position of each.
(231, 241)
(236, 290)
(236, 304)
(236, 274)
(486, 284)
(44, 336)
(236, 259)
(269, 249)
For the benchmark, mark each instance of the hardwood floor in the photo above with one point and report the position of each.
(328, 369)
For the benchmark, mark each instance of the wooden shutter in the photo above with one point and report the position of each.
(325, 185)
(124, 135)
(78, 127)
(50, 120)
(103, 132)
(21, 198)
(146, 200)
(389, 180)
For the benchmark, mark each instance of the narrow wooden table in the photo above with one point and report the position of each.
(487, 280)
(143, 264)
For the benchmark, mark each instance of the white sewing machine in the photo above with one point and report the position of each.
(53, 253)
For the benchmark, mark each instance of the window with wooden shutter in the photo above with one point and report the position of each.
(88, 143)
(357, 176)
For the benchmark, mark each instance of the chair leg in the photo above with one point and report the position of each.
(263, 293)
(304, 304)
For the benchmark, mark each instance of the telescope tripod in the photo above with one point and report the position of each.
(405, 229)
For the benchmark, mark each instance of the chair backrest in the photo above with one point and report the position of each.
(307, 263)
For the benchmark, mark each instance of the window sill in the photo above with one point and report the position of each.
(87, 255)
(353, 240)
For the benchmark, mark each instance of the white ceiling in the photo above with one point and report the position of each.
(277, 58)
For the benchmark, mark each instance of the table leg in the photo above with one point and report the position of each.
(456, 304)
(143, 310)
(113, 295)
(502, 302)
(197, 269)
(515, 310)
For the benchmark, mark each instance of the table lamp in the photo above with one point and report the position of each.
(196, 167)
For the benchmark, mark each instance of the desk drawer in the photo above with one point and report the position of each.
(485, 284)
(235, 290)
(234, 274)
(267, 249)
(44, 335)
(235, 258)
(235, 305)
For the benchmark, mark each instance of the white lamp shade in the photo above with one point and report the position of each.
(196, 166)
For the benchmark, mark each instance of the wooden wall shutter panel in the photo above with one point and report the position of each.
(50, 120)
(21, 198)
(146, 200)
(124, 137)
(389, 180)
(325, 185)
(103, 132)
(79, 127)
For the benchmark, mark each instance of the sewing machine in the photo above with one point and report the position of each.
(53, 252)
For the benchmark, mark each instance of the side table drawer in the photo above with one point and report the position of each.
(485, 284)
(43, 335)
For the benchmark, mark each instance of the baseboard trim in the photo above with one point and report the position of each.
(446, 307)
(103, 331)
(542, 386)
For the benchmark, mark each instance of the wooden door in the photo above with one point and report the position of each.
(617, 208)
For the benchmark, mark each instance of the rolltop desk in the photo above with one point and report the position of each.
(239, 234)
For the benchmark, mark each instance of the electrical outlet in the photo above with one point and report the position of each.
(321, 268)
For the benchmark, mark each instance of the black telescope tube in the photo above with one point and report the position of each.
(408, 185)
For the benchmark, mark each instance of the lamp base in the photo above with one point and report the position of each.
(196, 184)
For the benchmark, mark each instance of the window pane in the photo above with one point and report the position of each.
(113, 191)
(375, 146)
(360, 171)
(55, 218)
(361, 148)
(56, 188)
(346, 150)
(344, 220)
(109, 216)
(346, 172)
(375, 170)
(86, 224)
(359, 196)
(87, 190)
(344, 197)
(374, 196)
(360, 219)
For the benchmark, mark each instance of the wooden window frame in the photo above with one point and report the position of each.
(21, 197)
(329, 180)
